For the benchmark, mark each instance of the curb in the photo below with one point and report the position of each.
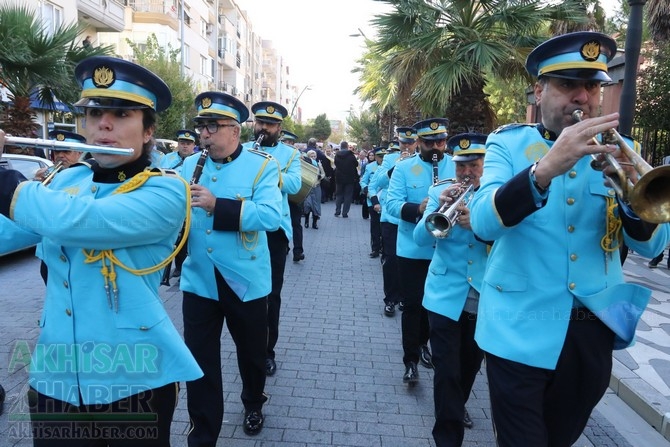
(641, 397)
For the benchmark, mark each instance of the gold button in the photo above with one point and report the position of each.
(68, 312)
(213, 179)
(570, 201)
(572, 286)
(470, 245)
(573, 257)
(94, 188)
(237, 196)
(65, 284)
(208, 231)
(209, 214)
(469, 262)
(209, 250)
(571, 228)
(144, 328)
(572, 174)
(469, 278)
(63, 258)
(499, 288)
(610, 192)
(218, 167)
(253, 257)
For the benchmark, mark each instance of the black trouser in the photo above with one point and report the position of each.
(414, 315)
(181, 255)
(375, 231)
(278, 246)
(203, 323)
(390, 272)
(142, 419)
(296, 224)
(343, 196)
(536, 407)
(457, 359)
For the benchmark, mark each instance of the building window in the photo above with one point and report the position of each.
(187, 55)
(52, 16)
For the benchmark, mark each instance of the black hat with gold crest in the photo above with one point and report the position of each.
(406, 134)
(65, 136)
(582, 56)
(186, 134)
(288, 136)
(218, 105)
(113, 83)
(269, 112)
(467, 146)
(432, 129)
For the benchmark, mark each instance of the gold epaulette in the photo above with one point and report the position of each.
(261, 153)
(511, 126)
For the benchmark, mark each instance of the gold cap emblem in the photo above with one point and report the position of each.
(464, 143)
(60, 137)
(590, 50)
(206, 102)
(408, 133)
(103, 77)
(434, 125)
(270, 109)
(187, 134)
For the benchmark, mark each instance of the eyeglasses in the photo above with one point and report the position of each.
(431, 143)
(211, 127)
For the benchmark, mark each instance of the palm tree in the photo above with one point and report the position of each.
(35, 61)
(658, 18)
(439, 52)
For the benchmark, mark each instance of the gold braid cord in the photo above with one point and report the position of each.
(109, 260)
(613, 235)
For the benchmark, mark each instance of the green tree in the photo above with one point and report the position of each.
(364, 129)
(320, 128)
(653, 90)
(34, 60)
(508, 98)
(443, 51)
(163, 62)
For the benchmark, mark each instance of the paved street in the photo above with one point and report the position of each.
(339, 378)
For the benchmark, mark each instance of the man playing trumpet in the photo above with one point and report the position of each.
(554, 303)
(64, 158)
(451, 292)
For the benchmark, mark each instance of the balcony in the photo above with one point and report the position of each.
(104, 15)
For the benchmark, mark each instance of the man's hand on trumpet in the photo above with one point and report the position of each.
(451, 194)
(575, 142)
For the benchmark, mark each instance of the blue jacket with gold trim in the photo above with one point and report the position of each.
(233, 238)
(291, 178)
(408, 187)
(104, 338)
(458, 263)
(548, 254)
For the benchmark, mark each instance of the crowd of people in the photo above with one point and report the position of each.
(457, 217)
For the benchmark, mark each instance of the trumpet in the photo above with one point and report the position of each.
(65, 146)
(440, 222)
(650, 196)
(51, 172)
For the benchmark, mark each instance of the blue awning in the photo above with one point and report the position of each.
(57, 106)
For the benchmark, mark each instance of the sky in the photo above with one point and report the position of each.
(314, 38)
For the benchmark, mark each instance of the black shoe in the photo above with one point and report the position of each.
(374, 254)
(389, 309)
(425, 357)
(253, 422)
(467, 422)
(401, 306)
(345, 215)
(315, 226)
(337, 214)
(176, 273)
(297, 258)
(411, 373)
(306, 224)
(270, 367)
(2, 399)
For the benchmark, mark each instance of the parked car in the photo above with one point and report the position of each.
(27, 165)
(166, 146)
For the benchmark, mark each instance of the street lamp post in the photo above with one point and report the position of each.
(633, 44)
(307, 87)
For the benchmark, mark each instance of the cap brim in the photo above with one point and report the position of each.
(407, 140)
(435, 136)
(466, 157)
(109, 103)
(264, 119)
(580, 74)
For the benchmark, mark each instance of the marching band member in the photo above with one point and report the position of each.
(185, 148)
(107, 348)
(554, 303)
(451, 292)
(226, 276)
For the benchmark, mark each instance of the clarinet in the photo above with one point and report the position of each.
(436, 176)
(197, 172)
(257, 143)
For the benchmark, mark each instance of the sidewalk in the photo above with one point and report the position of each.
(339, 378)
